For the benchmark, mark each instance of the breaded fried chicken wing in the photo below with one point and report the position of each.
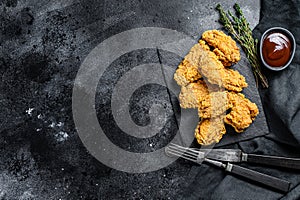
(242, 113)
(210, 131)
(191, 95)
(224, 46)
(187, 71)
(214, 105)
(213, 70)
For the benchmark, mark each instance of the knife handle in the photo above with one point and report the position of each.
(291, 163)
(270, 181)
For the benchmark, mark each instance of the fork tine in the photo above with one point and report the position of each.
(176, 153)
(181, 152)
(186, 149)
(184, 152)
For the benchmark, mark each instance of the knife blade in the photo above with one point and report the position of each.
(236, 155)
(228, 155)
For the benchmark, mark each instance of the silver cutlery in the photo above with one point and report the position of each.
(199, 156)
(237, 156)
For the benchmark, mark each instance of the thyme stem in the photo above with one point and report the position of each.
(239, 28)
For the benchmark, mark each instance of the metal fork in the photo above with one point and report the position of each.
(198, 156)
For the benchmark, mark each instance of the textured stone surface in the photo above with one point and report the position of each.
(42, 44)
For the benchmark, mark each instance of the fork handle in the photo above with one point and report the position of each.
(291, 163)
(270, 181)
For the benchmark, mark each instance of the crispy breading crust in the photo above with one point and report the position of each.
(204, 45)
(242, 113)
(210, 131)
(214, 105)
(200, 59)
(233, 80)
(187, 71)
(224, 46)
(213, 70)
(191, 95)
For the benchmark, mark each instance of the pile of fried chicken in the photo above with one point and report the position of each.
(209, 85)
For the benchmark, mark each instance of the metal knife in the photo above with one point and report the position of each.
(236, 155)
(199, 157)
(270, 181)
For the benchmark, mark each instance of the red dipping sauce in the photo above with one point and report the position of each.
(276, 49)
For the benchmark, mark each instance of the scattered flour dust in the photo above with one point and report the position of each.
(52, 125)
(29, 111)
(60, 136)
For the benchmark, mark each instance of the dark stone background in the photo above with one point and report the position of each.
(42, 44)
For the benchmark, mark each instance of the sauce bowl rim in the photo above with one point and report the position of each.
(293, 43)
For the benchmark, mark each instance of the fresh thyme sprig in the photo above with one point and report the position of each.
(241, 31)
